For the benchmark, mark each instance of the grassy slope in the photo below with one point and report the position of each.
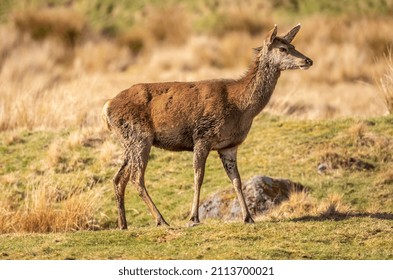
(352, 238)
(275, 147)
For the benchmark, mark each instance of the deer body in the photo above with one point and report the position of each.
(195, 116)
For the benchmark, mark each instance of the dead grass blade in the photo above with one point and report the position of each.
(386, 81)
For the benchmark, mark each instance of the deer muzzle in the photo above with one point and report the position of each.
(307, 64)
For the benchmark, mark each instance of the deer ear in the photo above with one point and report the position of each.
(271, 35)
(292, 33)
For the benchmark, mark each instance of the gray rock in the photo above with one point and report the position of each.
(261, 193)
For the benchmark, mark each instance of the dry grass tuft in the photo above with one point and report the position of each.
(60, 158)
(301, 204)
(385, 178)
(57, 156)
(136, 39)
(333, 206)
(86, 137)
(61, 23)
(358, 134)
(168, 24)
(367, 143)
(102, 56)
(12, 137)
(109, 153)
(45, 208)
(62, 155)
(386, 82)
(234, 50)
(250, 17)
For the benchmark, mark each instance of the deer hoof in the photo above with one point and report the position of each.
(249, 220)
(122, 226)
(162, 222)
(193, 224)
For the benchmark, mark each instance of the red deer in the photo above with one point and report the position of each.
(196, 116)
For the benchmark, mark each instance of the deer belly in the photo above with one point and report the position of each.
(174, 138)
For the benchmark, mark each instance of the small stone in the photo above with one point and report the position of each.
(322, 167)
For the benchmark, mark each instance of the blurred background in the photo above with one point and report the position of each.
(61, 59)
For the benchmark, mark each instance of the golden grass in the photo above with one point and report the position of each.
(48, 84)
(386, 82)
(386, 177)
(56, 154)
(47, 207)
(156, 25)
(110, 153)
(360, 148)
(56, 72)
(62, 23)
(249, 17)
(167, 24)
(302, 204)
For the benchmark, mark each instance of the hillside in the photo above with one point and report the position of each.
(61, 181)
(329, 128)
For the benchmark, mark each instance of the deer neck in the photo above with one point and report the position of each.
(260, 82)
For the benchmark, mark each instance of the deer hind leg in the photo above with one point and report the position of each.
(140, 159)
(200, 156)
(120, 181)
(229, 160)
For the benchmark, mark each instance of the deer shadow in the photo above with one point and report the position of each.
(337, 216)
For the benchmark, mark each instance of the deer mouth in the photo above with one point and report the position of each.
(304, 67)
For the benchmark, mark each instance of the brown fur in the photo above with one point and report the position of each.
(196, 116)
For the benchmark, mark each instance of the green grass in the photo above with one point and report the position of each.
(352, 238)
(275, 147)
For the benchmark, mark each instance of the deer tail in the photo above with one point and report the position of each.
(105, 115)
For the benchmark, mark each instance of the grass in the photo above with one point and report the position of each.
(112, 17)
(386, 82)
(61, 60)
(351, 238)
(346, 215)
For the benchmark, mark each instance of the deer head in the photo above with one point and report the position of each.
(280, 53)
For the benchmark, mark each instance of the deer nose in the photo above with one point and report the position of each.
(308, 61)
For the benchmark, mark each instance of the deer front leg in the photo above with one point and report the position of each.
(229, 160)
(200, 155)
